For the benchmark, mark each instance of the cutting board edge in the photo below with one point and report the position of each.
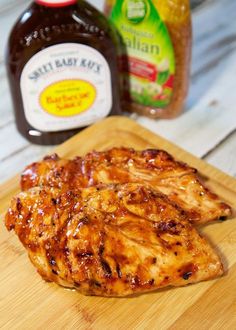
(123, 121)
(84, 315)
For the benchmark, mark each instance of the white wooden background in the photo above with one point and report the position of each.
(207, 127)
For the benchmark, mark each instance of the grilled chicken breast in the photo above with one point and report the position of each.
(154, 168)
(111, 240)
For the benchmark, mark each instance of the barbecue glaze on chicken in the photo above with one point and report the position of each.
(113, 240)
(154, 168)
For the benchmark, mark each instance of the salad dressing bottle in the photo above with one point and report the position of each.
(156, 52)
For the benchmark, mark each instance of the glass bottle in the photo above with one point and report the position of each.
(155, 60)
(62, 67)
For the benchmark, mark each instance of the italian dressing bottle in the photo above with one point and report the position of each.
(155, 57)
(62, 68)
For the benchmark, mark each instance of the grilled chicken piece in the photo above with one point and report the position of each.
(110, 241)
(155, 168)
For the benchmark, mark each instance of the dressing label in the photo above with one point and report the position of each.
(149, 75)
(66, 86)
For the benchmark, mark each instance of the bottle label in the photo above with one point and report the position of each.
(56, 3)
(149, 73)
(66, 86)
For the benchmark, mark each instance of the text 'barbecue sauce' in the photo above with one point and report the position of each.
(62, 67)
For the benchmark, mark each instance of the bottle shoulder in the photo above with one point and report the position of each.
(37, 25)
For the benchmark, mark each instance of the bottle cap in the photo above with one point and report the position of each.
(55, 3)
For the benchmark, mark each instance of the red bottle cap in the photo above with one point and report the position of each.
(56, 3)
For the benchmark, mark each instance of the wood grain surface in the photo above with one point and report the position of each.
(204, 127)
(27, 302)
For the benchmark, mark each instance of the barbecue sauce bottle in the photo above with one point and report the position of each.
(62, 68)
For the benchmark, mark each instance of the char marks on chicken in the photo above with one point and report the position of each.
(110, 240)
(153, 168)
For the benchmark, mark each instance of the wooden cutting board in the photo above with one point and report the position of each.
(27, 302)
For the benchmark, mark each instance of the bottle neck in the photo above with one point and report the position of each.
(55, 3)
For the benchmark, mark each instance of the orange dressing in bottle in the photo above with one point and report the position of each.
(156, 53)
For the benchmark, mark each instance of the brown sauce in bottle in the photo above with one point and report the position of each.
(62, 68)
